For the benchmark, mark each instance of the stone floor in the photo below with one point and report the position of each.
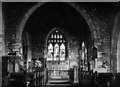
(103, 80)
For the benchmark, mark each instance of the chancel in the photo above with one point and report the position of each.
(50, 44)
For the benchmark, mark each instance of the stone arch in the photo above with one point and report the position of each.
(87, 18)
(80, 10)
(30, 11)
(114, 43)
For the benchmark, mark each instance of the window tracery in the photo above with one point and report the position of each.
(56, 46)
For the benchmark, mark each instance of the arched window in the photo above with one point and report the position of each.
(84, 56)
(56, 46)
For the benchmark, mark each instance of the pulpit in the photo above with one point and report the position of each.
(10, 64)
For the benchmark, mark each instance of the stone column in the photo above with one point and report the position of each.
(2, 49)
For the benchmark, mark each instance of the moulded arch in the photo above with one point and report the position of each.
(82, 11)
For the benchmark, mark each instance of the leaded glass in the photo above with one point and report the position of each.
(56, 46)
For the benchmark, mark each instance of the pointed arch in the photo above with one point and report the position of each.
(53, 30)
(30, 11)
(56, 45)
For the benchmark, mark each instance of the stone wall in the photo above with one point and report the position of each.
(99, 20)
(103, 18)
(2, 45)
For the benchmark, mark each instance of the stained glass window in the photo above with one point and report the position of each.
(56, 46)
(52, 36)
(83, 48)
(62, 52)
(56, 52)
(84, 57)
(50, 52)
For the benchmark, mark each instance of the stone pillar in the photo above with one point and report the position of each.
(2, 49)
(118, 54)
